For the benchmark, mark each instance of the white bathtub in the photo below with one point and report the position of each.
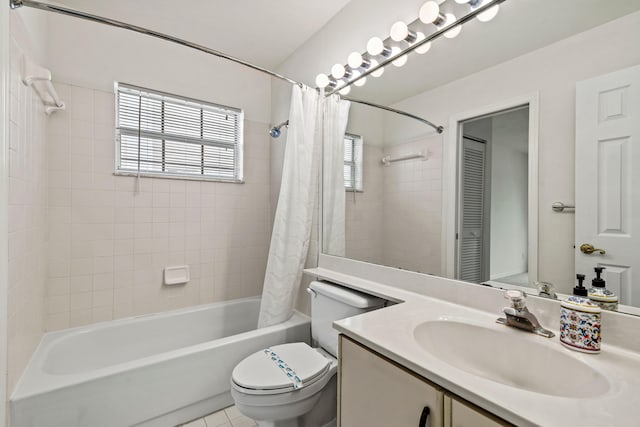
(155, 370)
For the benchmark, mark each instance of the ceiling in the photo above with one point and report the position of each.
(264, 32)
(303, 38)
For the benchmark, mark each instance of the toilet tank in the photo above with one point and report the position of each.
(331, 302)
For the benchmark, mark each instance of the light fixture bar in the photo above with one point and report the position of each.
(384, 61)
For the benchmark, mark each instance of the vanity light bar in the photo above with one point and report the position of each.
(374, 63)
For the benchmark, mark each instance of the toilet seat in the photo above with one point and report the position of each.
(259, 374)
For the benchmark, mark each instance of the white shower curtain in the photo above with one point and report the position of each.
(336, 116)
(294, 214)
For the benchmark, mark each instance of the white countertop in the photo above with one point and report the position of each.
(390, 332)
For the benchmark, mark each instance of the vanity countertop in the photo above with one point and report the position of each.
(390, 332)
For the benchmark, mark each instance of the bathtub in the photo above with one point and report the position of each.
(154, 370)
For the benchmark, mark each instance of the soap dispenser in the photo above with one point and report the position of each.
(600, 295)
(580, 321)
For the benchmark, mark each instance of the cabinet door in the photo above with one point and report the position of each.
(460, 414)
(375, 392)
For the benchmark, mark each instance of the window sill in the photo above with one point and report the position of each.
(182, 177)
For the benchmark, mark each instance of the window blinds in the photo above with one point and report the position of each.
(162, 134)
(353, 162)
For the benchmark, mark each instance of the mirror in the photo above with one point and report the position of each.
(493, 176)
(407, 212)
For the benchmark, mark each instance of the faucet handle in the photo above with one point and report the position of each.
(516, 298)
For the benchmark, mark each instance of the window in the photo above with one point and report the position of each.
(165, 135)
(352, 162)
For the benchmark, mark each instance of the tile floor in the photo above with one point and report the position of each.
(229, 417)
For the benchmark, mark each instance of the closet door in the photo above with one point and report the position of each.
(471, 212)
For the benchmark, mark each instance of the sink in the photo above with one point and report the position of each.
(509, 357)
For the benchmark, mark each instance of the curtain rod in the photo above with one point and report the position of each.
(119, 24)
(15, 4)
(438, 129)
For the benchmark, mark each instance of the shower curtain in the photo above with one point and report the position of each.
(336, 115)
(294, 214)
(298, 192)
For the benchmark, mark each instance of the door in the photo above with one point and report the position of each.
(374, 392)
(471, 247)
(608, 178)
(460, 414)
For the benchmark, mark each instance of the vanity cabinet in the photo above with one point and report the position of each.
(462, 414)
(376, 392)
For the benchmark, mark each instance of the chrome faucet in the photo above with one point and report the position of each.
(519, 316)
(546, 290)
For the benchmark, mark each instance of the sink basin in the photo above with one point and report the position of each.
(507, 357)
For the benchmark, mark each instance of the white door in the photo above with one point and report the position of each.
(608, 179)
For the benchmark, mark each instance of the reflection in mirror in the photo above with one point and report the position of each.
(393, 217)
(397, 217)
(492, 243)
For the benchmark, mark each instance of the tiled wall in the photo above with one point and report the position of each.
(364, 211)
(396, 220)
(109, 244)
(412, 208)
(27, 220)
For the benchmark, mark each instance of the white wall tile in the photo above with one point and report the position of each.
(58, 286)
(57, 304)
(117, 241)
(101, 314)
(82, 300)
(103, 298)
(54, 322)
(79, 317)
(80, 284)
(103, 281)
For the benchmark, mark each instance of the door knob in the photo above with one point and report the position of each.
(588, 249)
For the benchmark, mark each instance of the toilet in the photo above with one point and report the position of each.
(294, 384)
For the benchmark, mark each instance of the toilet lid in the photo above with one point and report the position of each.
(260, 372)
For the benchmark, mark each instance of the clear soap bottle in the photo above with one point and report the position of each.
(600, 295)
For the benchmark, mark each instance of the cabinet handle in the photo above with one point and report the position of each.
(424, 417)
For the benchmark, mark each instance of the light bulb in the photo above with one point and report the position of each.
(425, 47)
(379, 71)
(322, 80)
(354, 60)
(488, 14)
(399, 31)
(338, 71)
(452, 33)
(345, 90)
(360, 82)
(429, 12)
(401, 60)
(375, 46)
